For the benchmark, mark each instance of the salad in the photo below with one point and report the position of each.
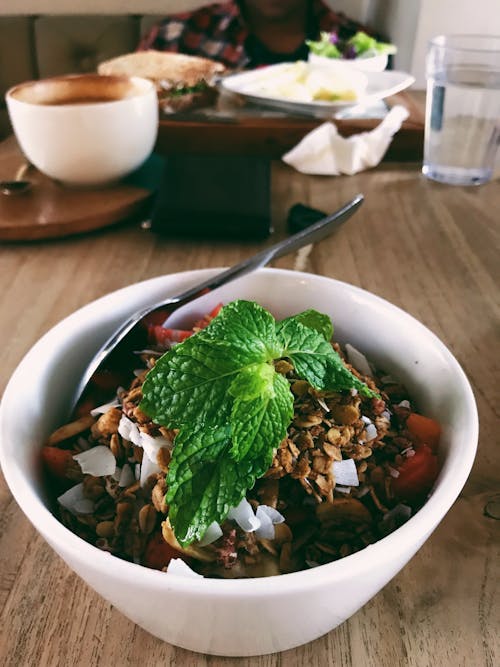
(360, 45)
(243, 447)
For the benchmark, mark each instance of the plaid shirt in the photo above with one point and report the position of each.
(219, 32)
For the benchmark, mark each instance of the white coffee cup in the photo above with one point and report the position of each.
(85, 129)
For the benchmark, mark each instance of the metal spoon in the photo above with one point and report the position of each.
(315, 232)
(18, 185)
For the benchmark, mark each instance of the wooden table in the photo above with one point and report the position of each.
(431, 249)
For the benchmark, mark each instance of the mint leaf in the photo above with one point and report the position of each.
(259, 425)
(203, 481)
(253, 381)
(189, 384)
(313, 320)
(220, 389)
(246, 327)
(315, 360)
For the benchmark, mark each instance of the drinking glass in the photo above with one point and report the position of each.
(462, 119)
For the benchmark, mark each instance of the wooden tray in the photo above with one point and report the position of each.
(49, 210)
(250, 131)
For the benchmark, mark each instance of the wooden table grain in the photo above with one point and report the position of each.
(430, 249)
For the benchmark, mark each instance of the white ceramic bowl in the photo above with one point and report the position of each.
(252, 616)
(85, 129)
(371, 64)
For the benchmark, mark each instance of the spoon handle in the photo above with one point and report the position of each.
(315, 232)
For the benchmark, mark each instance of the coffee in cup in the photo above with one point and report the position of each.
(85, 129)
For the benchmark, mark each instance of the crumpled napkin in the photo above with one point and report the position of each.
(324, 152)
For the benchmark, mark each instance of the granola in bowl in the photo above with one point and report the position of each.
(353, 463)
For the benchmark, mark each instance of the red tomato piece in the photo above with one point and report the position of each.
(162, 336)
(156, 318)
(206, 319)
(57, 461)
(416, 475)
(107, 380)
(159, 553)
(425, 429)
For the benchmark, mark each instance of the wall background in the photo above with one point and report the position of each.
(49, 37)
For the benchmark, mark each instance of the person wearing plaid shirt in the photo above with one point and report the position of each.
(248, 33)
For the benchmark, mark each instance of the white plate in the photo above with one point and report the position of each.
(379, 86)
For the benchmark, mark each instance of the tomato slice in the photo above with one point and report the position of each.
(416, 475)
(425, 429)
(206, 319)
(57, 461)
(159, 553)
(162, 335)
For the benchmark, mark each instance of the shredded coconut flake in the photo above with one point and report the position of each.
(85, 506)
(386, 414)
(102, 409)
(323, 404)
(127, 476)
(98, 461)
(404, 404)
(366, 420)
(72, 498)
(343, 489)
(130, 431)
(371, 432)
(178, 568)
(358, 360)
(214, 531)
(268, 518)
(152, 445)
(152, 353)
(345, 473)
(244, 516)
(148, 468)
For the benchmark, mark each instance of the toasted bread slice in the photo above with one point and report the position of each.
(168, 70)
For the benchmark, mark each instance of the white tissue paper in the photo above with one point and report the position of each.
(324, 152)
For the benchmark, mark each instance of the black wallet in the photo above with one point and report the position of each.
(204, 196)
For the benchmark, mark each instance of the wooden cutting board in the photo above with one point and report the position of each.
(50, 210)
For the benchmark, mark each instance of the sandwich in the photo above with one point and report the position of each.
(183, 82)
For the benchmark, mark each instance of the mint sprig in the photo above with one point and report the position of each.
(220, 389)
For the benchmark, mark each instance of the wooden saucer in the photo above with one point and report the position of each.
(50, 210)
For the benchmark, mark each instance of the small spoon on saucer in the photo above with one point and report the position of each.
(18, 185)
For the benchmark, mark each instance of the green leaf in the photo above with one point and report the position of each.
(203, 481)
(253, 381)
(259, 425)
(315, 360)
(189, 384)
(246, 327)
(213, 467)
(232, 409)
(314, 320)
